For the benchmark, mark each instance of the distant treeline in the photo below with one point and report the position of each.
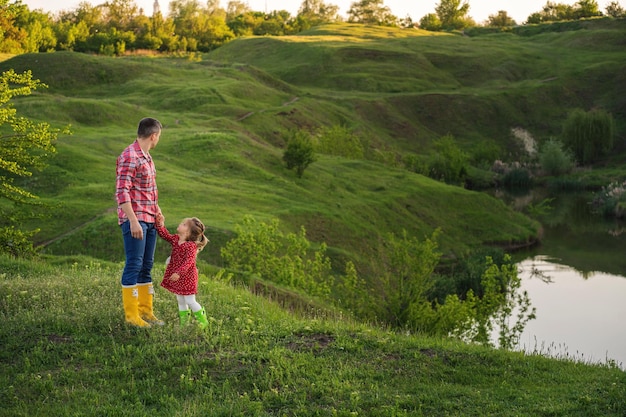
(118, 26)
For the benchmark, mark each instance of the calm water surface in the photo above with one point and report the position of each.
(576, 280)
(579, 317)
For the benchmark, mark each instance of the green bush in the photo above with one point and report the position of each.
(589, 135)
(339, 141)
(262, 249)
(554, 159)
(611, 200)
(517, 178)
(16, 242)
(299, 153)
(449, 162)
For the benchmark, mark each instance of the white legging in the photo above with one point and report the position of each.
(188, 300)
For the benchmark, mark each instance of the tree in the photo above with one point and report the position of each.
(244, 24)
(316, 12)
(614, 9)
(120, 14)
(275, 23)
(12, 36)
(589, 135)
(552, 12)
(453, 14)
(299, 153)
(586, 9)
(24, 146)
(200, 28)
(185, 15)
(371, 12)
(41, 37)
(236, 8)
(430, 22)
(500, 20)
(69, 34)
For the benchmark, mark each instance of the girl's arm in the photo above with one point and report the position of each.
(165, 234)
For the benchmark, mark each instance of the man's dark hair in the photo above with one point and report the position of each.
(148, 126)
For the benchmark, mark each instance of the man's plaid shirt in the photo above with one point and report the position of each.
(136, 183)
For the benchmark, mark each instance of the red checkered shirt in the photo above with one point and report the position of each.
(136, 183)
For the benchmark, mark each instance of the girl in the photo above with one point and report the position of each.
(181, 274)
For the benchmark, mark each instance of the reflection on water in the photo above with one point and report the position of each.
(578, 317)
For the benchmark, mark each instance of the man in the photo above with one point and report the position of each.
(137, 207)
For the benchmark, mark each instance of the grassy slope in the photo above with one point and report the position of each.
(426, 86)
(65, 351)
(218, 166)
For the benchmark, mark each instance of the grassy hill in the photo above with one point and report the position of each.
(220, 165)
(66, 352)
(227, 116)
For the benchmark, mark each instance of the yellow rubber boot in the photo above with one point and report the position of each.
(145, 296)
(131, 307)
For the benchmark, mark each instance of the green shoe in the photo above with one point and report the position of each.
(184, 317)
(200, 315)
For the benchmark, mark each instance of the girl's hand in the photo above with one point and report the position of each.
(174, 277)
(160, 219)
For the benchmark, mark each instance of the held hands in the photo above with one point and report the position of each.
(174, 276)
(160, 219)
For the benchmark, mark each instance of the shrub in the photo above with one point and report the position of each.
(449, 163)
(554, 159)
(262, 249)
(517, 178)
(610, 200)
(407, 278)
(484, 153)
(17, 243)
(339, 141)
(299, 153)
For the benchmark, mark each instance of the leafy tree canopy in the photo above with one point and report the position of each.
(372, 12)
(24, 146)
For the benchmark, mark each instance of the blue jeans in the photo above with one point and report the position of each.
(139, 254)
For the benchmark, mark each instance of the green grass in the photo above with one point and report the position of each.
(227, 118)
(66, 351)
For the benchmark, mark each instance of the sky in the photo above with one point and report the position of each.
(479, 10)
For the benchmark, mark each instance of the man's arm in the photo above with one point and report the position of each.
(135, 228)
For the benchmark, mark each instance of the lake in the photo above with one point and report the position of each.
(576, 281)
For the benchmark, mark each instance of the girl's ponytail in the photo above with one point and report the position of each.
(202, 242)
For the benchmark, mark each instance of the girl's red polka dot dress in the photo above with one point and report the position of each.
(183, 262)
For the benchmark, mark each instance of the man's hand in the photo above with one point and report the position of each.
(135, 230)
